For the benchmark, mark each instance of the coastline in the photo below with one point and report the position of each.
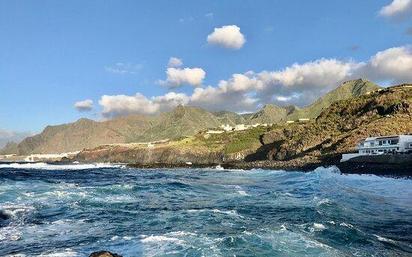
(384, 165)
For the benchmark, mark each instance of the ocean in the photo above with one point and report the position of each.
(73, 210)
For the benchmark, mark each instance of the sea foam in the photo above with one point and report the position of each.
(47, 166)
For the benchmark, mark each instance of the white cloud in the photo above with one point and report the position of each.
(124, 68)
(174, 62)
(319, 73)
(393, 64)
(232, 94)
(85, 105)
(397, 9)
(227, 36)
(170, 100)
(177, 77)
(299, 83)
(118, 105)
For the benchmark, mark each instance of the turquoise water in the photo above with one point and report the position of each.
(75, 210)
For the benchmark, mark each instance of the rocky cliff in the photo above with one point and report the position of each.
(336, 130)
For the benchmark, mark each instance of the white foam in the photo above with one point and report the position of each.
(157, 239)
(10, 234)
(229, 212)
(14, 210)
(46, 166)
(318, 226)
(343, 224)
(242, 192)
(66, 253)
(384, 239)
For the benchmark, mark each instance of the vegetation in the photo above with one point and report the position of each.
(339, 127)
(183, 121)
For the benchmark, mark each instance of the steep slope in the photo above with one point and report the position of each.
(270, 113)
(347, 90)
(339, 127)
(11, 137)
(81, 134)
(9, 148)
(230, 118)
(84, 133)
(182, 121)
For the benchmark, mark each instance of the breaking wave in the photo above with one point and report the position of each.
(73, 210)
(47, 166)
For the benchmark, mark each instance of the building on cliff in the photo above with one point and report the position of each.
(398, 144)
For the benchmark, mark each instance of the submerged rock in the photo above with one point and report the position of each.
(104, 254)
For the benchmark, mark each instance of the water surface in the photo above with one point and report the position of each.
(75, 210)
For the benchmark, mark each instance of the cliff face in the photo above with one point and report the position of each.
(341, 126)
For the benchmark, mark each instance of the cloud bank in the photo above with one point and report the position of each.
(117, 105)
(227, 37)
(299, 83)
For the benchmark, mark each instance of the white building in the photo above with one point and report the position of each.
(227, 127)
(400, 144)
(388, 144)
(214, 132)
(240, 127)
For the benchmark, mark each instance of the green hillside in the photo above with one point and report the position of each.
(347, 90)
(181, 122)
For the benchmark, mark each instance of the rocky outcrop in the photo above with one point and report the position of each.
(104, 254)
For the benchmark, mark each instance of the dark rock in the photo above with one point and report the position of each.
(4, 215)
(104, 254)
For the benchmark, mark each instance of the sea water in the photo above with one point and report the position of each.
(73, 210)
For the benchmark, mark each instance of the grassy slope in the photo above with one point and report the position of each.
(346, 90)
(344, 123)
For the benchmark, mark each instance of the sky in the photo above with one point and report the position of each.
(63, 60)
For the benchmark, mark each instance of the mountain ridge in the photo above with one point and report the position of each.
(181, 122)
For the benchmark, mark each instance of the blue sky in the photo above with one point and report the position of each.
(56, 53)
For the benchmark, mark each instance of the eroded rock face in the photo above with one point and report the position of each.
(104, 254)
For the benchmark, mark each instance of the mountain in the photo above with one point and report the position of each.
(9, 148)
(347, 90)
(11, 137)
(320, 141)
(181, 122)
(84, 133)
(342, 125)
(270, 113)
